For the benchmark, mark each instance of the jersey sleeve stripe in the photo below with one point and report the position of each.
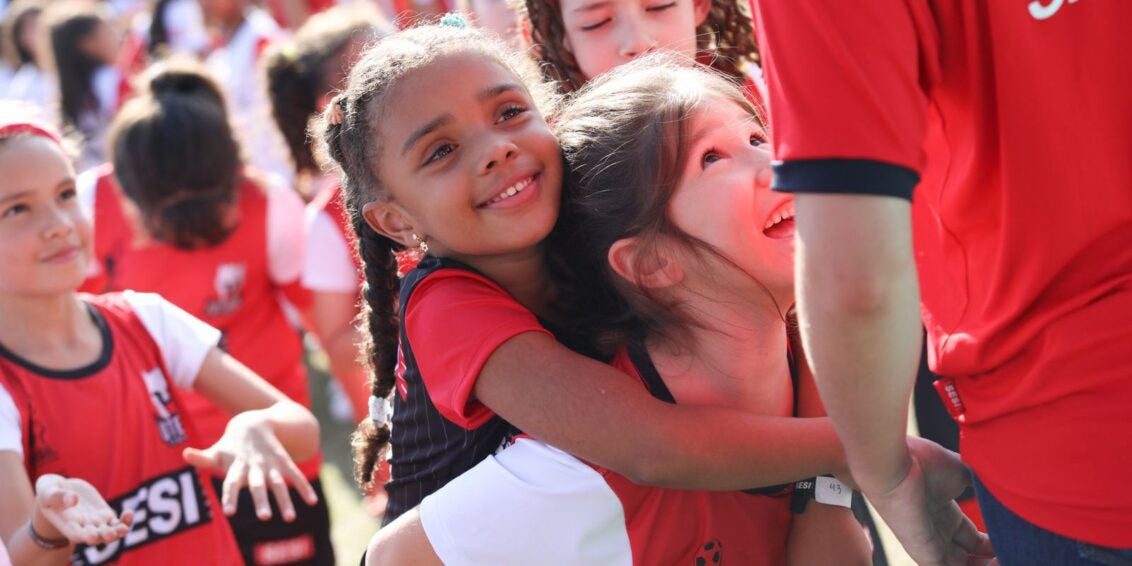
(845, 176)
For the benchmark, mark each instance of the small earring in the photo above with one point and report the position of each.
(421, 244)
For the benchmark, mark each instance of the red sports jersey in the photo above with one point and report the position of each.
(1014, 117)
(228, 286)
(118, 425)
(534, 504)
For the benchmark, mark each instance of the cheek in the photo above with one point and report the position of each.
(593, 54)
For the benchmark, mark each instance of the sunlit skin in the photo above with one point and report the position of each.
(603, 34)
(449, 156)
(724, 199)
(47, 239)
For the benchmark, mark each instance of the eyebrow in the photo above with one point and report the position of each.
(591, 7)
(424, 131)
(19, 195)
(492, 92)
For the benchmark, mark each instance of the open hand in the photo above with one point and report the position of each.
(77, 511)
(922, 513)
(251, 455)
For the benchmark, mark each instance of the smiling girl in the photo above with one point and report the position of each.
(468, 176)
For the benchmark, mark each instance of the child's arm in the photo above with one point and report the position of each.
(61, 510)
(332, 318)
(262, 441)
(597, 413)
(827, 534)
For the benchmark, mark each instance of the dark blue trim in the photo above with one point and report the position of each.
(845, 176)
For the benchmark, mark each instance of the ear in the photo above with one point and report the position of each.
(701, 8)
(651, 269)
(389, 220)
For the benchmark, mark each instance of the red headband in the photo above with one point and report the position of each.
(16, 128)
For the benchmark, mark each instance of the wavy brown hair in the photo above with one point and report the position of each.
(625, 137)
(354, 143)
(726, 37)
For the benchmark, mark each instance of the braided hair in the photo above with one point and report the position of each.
(351, 134)
(727, 36)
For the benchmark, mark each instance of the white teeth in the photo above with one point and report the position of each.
(786, 214)
(512, 190)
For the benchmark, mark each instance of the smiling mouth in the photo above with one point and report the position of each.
(511, 191)
(781, 223)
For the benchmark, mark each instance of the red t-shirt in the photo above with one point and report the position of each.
(531, 501)
(117, 424)
(1014, 117)
(229, 286)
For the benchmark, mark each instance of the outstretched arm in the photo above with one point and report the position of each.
(601, 415)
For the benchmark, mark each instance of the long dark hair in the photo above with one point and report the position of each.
(625, 140)
(726, 37)
(305, 68)
(353, 143)
(176, 158)
(69, 24)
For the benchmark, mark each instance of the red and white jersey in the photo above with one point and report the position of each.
(119, 423)
(335, 267)
(1013, 117)
(237, 66)
(534, 504)
(234, 286)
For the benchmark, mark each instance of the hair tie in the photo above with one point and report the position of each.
(336, 111)
(28, 128)
(454, 20)
(380, 410)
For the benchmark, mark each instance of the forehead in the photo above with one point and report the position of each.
(716, 111)
(31, 162)
(449, 85)
(582, 7)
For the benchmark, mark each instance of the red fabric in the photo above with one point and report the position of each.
(674, 526)
(455, 319)
(121, 450)
(1023, 217)
(227, 286)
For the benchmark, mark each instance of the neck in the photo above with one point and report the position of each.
(52, 327)
(735, 358)
(524, 274)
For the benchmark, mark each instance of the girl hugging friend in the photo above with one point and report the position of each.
(468, 176)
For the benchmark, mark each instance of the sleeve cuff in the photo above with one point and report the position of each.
(845, 176)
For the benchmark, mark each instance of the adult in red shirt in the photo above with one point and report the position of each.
(1022, 235)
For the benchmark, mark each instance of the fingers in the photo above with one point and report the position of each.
(976, 543)
(257, 486)
(282, 494)
(300, 482)
(231, 489)
(204, 459)
(127, 517)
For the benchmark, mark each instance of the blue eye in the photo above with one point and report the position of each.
(756, 141)
(710, 156)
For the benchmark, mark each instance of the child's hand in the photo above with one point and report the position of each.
(77, 511)
(251, 455)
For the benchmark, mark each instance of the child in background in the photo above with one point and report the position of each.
(193, 224)
(91, 397)
(578, 40)
(243, 32)
(84, 47)
(685, 274)
(468, 175)
(302, 74)
(28, 83)
(176, 27)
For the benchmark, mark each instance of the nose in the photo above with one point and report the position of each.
(58, 223)
(635, 39)
(499, 151)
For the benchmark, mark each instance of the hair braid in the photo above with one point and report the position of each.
(380, 347)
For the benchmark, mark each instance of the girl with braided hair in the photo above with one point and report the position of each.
(466, 175)
(577, 40)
